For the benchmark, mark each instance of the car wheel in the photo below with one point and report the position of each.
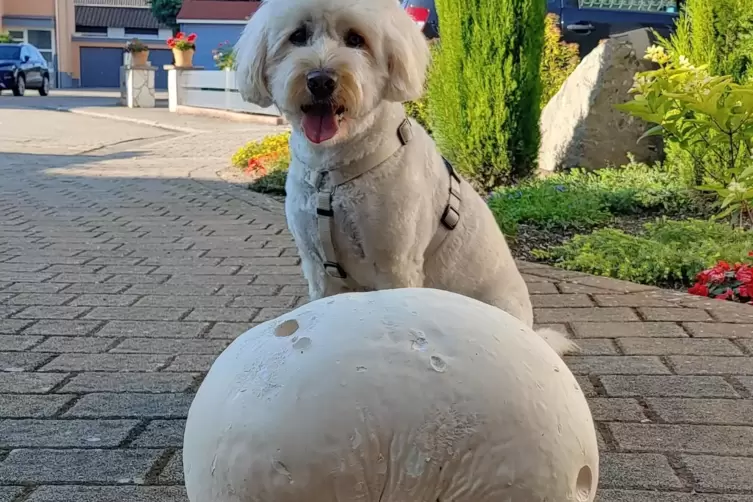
(45, 89)
(20, 88)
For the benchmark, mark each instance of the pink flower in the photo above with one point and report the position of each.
(744, 274)
(191, 38)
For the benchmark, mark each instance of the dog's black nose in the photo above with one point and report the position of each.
(321, 84)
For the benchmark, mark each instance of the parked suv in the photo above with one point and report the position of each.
(23, 67)
(583, 22)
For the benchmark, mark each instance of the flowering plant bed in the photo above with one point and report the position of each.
(182, 42)
(224, 56)
(726, 282)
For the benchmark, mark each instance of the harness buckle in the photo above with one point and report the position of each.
(450, 217)
(334, 270)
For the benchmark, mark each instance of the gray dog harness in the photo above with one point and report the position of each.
(326, 182)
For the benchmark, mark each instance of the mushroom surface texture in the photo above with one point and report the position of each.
(403, 395)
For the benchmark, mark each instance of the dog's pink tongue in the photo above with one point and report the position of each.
(319, 128)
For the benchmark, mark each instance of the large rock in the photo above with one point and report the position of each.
(395, 395)
(580, 126)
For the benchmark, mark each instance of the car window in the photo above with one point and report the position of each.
(36, 56)
(631, 5)
(10, 52)
(24, 53)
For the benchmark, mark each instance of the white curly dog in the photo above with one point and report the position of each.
(370, 201)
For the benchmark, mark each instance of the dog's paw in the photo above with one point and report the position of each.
(558, 341)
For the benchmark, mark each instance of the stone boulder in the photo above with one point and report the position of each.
(580, 126)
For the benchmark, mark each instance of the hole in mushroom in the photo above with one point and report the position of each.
(583, 484)
(286, 328)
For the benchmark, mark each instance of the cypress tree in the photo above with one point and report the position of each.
(484, 88)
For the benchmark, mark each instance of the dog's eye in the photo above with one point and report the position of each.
(300, 36)
(354, 40)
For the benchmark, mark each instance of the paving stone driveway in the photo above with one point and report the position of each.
(125, 271)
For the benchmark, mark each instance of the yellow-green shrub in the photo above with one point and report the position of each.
(558, 60)
(271, 152)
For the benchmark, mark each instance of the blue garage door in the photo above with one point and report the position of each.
(100, 66)
(159, 58)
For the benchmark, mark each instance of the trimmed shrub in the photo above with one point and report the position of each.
(271, 151)
(667, 253)
(558, 61)
(485, 89)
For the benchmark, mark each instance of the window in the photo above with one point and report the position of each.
(142, 32)
(42, 40)
(17, 36)
(91, 30)
(631, 5)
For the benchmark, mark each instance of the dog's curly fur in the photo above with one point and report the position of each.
(386, 218)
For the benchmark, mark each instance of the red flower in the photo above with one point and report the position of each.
(703, 276)
(744, 274)
(180, 35)
(191, 38)
(724, 265)
(727, 295)
(171, 42)
(745, 290)
(750, 253)
(717, 274)
(699, 289)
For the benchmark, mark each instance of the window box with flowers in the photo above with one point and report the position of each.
(183, 48)
(139, 52)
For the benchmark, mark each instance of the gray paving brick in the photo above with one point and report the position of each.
(680, 346)
(279, 280)
(63, 328)
(268, 314)
(637, 470)
(153, 329)
(197, 270)
(746, 382)
(616, 365)
(264, 261)
(137, 279)
(31, 405)
(559, 301)
(40, 299)
(12, 326)
(103, 300)
(109, 494)
(127, 269)
(104, 405)
(24, 276)
(137, 313)
(85, 344)
(191, 363)
(224, 314)
(279, 302)
(95, 289)
(162, 434)
(18, 342)
(604, 314)
(184, 301)
(295, 290)
(10, 493)
(29, 383)
(172, 290)
(654, 496)
(130, 382)
(667, 386)
(720, 473)
(172, 474)
(710, 365)
(106, 362)
(594, 346)
(64, 433)
(39, 466)
(82, 278)
(21, 361)
(9, 310)
(187, 281)
(713, 439)
(616, 410)
(34, 287)
(51, 312)
(171, 346)
(229, 330)
(674, 314)
(704, 411)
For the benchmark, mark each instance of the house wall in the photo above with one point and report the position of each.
(209, 36)
(31, 8)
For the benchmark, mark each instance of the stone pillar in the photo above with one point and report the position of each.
(175, 85)
(137, 86)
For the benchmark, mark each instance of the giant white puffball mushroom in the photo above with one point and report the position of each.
(406, 395)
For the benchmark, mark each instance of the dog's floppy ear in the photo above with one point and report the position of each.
(251, 52)
(407, 58)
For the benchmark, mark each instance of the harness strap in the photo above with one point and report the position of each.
(326, 182)
(451, 213)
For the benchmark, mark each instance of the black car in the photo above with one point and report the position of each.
(583, 22)
(23, 67)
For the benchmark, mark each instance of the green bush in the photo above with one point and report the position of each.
(667, 253)
(485, 88)
(272, 183)
(558, 60)
(582, 200)
(716, 33)
(5, 38)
